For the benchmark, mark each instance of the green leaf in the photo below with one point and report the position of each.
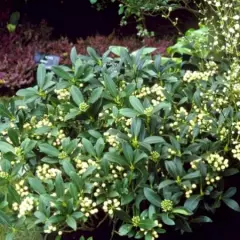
(40, 216)
(230, 192)
(99, 147)
(6, 147)
(110, 85)
(114, 157)
(165, 183)
(192, 203)
(59, 185)
(182, 211)
(167, 220)
(117, 50)
(93, 53)
(125, 229)
(4, 219)
(68, 167)
(71, 222)
(95, 95)
(76, 95)
(89, 147)
(230, 171)
(128, 112)
(136, 104)
(48, 149)
(128, 152)
(13, 135)
(4, 112)
(201, 219)
(59, 71)
(73, 55)
(171, 168)
(72, 114)
(147, 224)
(37, 185)
(192, 175)
(123, 216)
(9, 236)
(41, 75)
(93, 1)
(232, 204)
(153, 140)
(28, 145)
(152, 197)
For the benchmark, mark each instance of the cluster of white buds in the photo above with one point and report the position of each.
(50, 229)
(82, 166)
(171, 152)
(194, 163)
(210, 179)
(157, 90)
(27, 126)
(148, 111)
(223, 133)
(217, 162)
(182, 113)
(111, 139)
(44, 122)
(87, 206)
(143, 92)
(117, 171)
(189, 190)
(21, 189)
(110, 205)
(236, 151)
(212, 67)
(62, 94)
(61, 115)
(44, 172)
(190, 76)
(25, 207)
(60, 137)
(237, 127)
(4, 175)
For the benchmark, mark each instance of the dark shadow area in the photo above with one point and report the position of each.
(71, 18)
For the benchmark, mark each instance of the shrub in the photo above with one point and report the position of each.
(132, 136)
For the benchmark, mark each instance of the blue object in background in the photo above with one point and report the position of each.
(48, 60)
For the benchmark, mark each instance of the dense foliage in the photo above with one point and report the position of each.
(144, 140)
(135, 136)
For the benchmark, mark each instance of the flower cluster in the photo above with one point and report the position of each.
(156, 92)
(45, 172)
(62, 94)
(217, 162)
(236, 151)
(45, 122)
(87, 206)
(110, 205)
(25, 207)
(167, 205)
(21, 189)
(4, 175)
(83, 165)
(111, 139)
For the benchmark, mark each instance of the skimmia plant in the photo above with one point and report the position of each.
(135, 138)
